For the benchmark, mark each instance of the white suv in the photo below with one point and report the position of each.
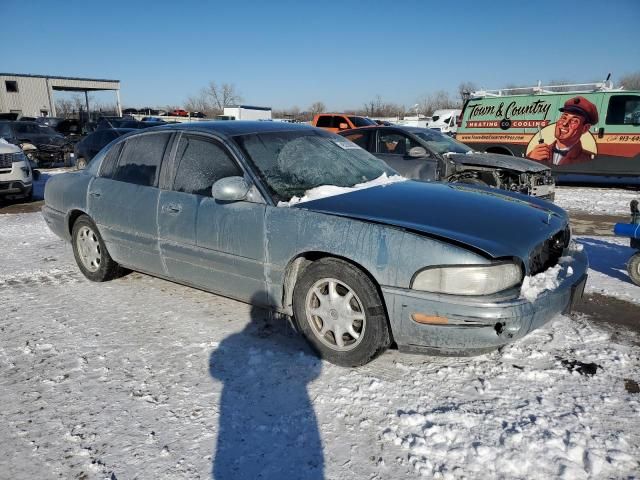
(16, 178)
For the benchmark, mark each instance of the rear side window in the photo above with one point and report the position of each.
(624, 110)
(361, 139)
(5, 131)
(141, 158)
(201, 163)
(110, 161)
(324, 121)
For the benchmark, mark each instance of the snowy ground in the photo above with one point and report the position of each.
(599, 201)
(142, 378)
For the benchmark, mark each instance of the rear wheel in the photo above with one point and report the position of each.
(90, 253)
(633, 268)
(338, 309)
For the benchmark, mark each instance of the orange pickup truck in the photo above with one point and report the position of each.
(335, 122)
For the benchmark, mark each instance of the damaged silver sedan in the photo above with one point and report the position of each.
(302, 221)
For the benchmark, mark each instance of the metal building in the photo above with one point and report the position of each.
(32, 95)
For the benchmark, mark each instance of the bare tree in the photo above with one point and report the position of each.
(436, 101)
(223, 95)
(70, 107)
(317, 107)
(631, 81)
(200, 103)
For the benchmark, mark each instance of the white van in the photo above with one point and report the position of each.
(16, 178)
(445, 120)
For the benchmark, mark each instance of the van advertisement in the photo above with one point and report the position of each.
(596, 132)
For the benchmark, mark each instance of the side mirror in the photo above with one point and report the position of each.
(417, 152)
(343, 126)
(230, 189)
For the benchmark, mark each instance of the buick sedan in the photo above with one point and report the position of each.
(300, 220)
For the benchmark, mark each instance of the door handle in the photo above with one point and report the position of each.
(95, 194)
(171, 208)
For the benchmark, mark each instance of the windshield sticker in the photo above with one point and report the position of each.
(347, 145)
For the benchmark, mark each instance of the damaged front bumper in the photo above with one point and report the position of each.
(476, 325)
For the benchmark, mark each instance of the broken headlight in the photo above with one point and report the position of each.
(468, 279)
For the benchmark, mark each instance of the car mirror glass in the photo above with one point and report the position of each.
(416, 152)
(230, 189)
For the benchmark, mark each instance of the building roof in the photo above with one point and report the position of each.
(54, 77)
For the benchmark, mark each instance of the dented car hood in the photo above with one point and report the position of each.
(497, 160)
(498, 223)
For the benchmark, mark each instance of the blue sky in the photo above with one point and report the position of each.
(342, 53)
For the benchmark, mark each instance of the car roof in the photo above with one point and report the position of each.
(231, 128)
(406, 128)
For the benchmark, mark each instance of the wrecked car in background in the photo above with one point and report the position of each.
(42, 145)
(300, 220)
(428, 155)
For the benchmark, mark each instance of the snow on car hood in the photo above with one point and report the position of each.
(499, 223)
(330, 190)
(517, 164)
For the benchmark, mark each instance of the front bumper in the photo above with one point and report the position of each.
(15, 188)
(480, 324)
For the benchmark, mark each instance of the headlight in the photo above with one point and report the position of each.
(468, 279)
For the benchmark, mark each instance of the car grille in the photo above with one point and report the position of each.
(6, 159)
(546, 254)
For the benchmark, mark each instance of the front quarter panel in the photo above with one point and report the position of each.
(390, 255)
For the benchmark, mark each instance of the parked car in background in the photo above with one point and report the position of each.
(335, 122)
(16, 178)
(68, 127)
(428, 155)
(301, 220)
(42, 145)
(89, 146)
(197, 115)
(130, 111)
(445, 121)
(178, 113)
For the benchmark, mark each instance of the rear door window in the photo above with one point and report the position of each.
(360, 138)
(624, 110)
(324, 121)
(395, 143)
(141, 158)
(337, 120)
(201, 163)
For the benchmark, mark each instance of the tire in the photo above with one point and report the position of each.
(81, 163)
(360, 319)
(633, 268)
(90, 252)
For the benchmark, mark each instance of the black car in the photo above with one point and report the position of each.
(428, 155)
(109, 123)
(90, 145)
(41, 144)
(69, 127)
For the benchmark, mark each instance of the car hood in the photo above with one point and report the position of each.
(45, 139)
(517, 164)
(500, 224)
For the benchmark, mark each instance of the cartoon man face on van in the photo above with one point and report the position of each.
(578, 114)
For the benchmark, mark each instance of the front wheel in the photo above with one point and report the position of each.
(90, 253)
(338, 309)
(633, 268)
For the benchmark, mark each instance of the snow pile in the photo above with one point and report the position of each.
(332, 190)
(547, 280)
